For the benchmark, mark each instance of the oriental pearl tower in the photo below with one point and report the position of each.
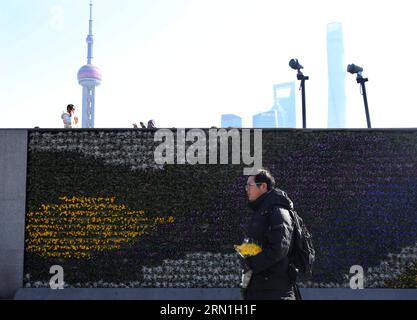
(89, 77)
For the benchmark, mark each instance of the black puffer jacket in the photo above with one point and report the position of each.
(271, 226)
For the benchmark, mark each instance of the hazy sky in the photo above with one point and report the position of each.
(185, 62)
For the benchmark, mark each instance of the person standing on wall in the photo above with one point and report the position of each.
(69, 119)
(151, 124)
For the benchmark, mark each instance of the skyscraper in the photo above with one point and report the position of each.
(284, 104)
(265, 119)
(89, 77)
(337, 76)
(231, 120)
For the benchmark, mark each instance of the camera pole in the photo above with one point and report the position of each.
(294, 64)
(352, 68)
(361, 80)
(303, 78)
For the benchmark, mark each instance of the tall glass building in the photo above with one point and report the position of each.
(337, 76)
(267, 119)
(231, 120)
(284, 104)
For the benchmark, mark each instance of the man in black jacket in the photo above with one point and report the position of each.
(271, 227)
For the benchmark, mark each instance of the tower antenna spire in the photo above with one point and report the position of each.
(90, 37)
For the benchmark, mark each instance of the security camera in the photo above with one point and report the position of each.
(294, 64)
(352, 68)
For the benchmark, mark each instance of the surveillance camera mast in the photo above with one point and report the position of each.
(354, 69)
(294, 64)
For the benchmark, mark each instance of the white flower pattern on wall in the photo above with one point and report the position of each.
(131, 148)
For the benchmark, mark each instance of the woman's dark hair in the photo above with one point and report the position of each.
(264, 176)
(70, 107)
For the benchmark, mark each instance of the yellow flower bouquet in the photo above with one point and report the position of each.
(248, 249)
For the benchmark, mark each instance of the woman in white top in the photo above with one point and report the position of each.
(69, 118)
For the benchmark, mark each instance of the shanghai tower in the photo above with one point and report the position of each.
(337, 76)
(89, 77)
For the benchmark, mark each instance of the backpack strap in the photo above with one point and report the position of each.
(292, 213)
(293, 218)
(292, 270)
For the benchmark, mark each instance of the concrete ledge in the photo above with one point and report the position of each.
(13, 156)
(128, 294)
(366, 294)
(206, 294)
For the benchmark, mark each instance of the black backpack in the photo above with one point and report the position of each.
(302, 254)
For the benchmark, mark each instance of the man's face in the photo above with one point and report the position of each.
(253, 190)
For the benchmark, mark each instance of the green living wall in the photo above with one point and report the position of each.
(99, 206)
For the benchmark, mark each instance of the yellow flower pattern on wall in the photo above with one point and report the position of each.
(79, 227)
